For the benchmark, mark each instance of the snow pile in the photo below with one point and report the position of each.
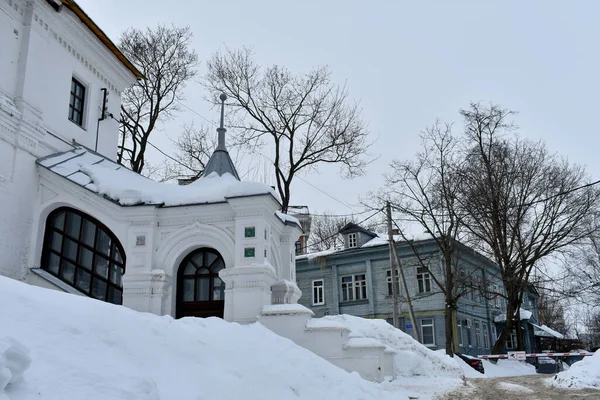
(507, 368)
(86, 349)
(582, 374)
(412, 358)
(513, 387)
(14, 361)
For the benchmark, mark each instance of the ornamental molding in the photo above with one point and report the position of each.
(147, 222)
(191, 221)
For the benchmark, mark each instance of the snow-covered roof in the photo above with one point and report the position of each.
(524, 314)
(546, 331)
(376, 241)
(100, 175)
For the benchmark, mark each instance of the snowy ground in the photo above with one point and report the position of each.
(58, 346)
(81, 348)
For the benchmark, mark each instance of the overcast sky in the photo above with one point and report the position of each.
(407, 63)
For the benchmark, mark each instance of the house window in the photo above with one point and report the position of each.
(494, 334)
(496, 302)
(424, 280)
(468, 340)
(354, 287)
(460, 333)
(427, 332)
(511, 341)
(298, 247)
(477, 333)
(82, 252)
(486, 338)
(76, 102)
(389, 281)
(317, 292)
(352, 240)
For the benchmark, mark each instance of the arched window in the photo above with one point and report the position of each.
(84, 253)
(200, 291)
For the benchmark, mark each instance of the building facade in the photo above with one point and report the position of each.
(74, 220)
(357, 281)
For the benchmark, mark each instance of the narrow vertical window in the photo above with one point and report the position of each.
(389, 281)
(477, 334)
(486, 338)
(423, 280)
(352, 240)
(318, 292)
(427, 332)
(76, 102)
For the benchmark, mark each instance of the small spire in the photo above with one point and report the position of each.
(220, 162)
(221, 130)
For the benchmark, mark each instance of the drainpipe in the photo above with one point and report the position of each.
(103, 114)
(487, 313)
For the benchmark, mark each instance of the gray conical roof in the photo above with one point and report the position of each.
(220, 161)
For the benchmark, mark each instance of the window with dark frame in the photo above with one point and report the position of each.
(76, 102)
(82, 252)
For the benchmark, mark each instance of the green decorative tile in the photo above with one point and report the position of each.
(249, 231)
(249, 252)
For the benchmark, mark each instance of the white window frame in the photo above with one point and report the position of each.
(355, 288)
(318, 292)
(494, 333)
(423, 280)
(477, 326)
(512, 339)
(352, 240)
(468, 326)
(388, 280)
(428, 325)
(84, 112)
(460, 332)
(486, 337)
(496, 302)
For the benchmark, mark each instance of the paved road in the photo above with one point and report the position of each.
(531, 387)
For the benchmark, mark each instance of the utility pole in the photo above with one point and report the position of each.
(396, 261)
(393, 266)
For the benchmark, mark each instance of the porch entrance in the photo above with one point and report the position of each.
(200, 291)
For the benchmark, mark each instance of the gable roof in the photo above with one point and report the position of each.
(91, 25)
(352, 227)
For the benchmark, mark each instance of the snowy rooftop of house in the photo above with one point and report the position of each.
(100, 175)
(546, 331)
(376, 241)
(524, 314)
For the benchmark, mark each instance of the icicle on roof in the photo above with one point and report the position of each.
(220, 162)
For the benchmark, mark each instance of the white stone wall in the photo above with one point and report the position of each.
(41, 50)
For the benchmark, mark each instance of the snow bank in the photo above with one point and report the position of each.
(86, 349)
(582, 374)
(14, 361)
(412, 358)
(507, 368)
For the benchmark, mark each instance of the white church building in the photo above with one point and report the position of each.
(74, 220)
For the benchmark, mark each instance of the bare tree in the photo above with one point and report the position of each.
(425, 191)
(163, 55)
(324, 231)
(194, 147)
(307, 119)
(519, 202)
